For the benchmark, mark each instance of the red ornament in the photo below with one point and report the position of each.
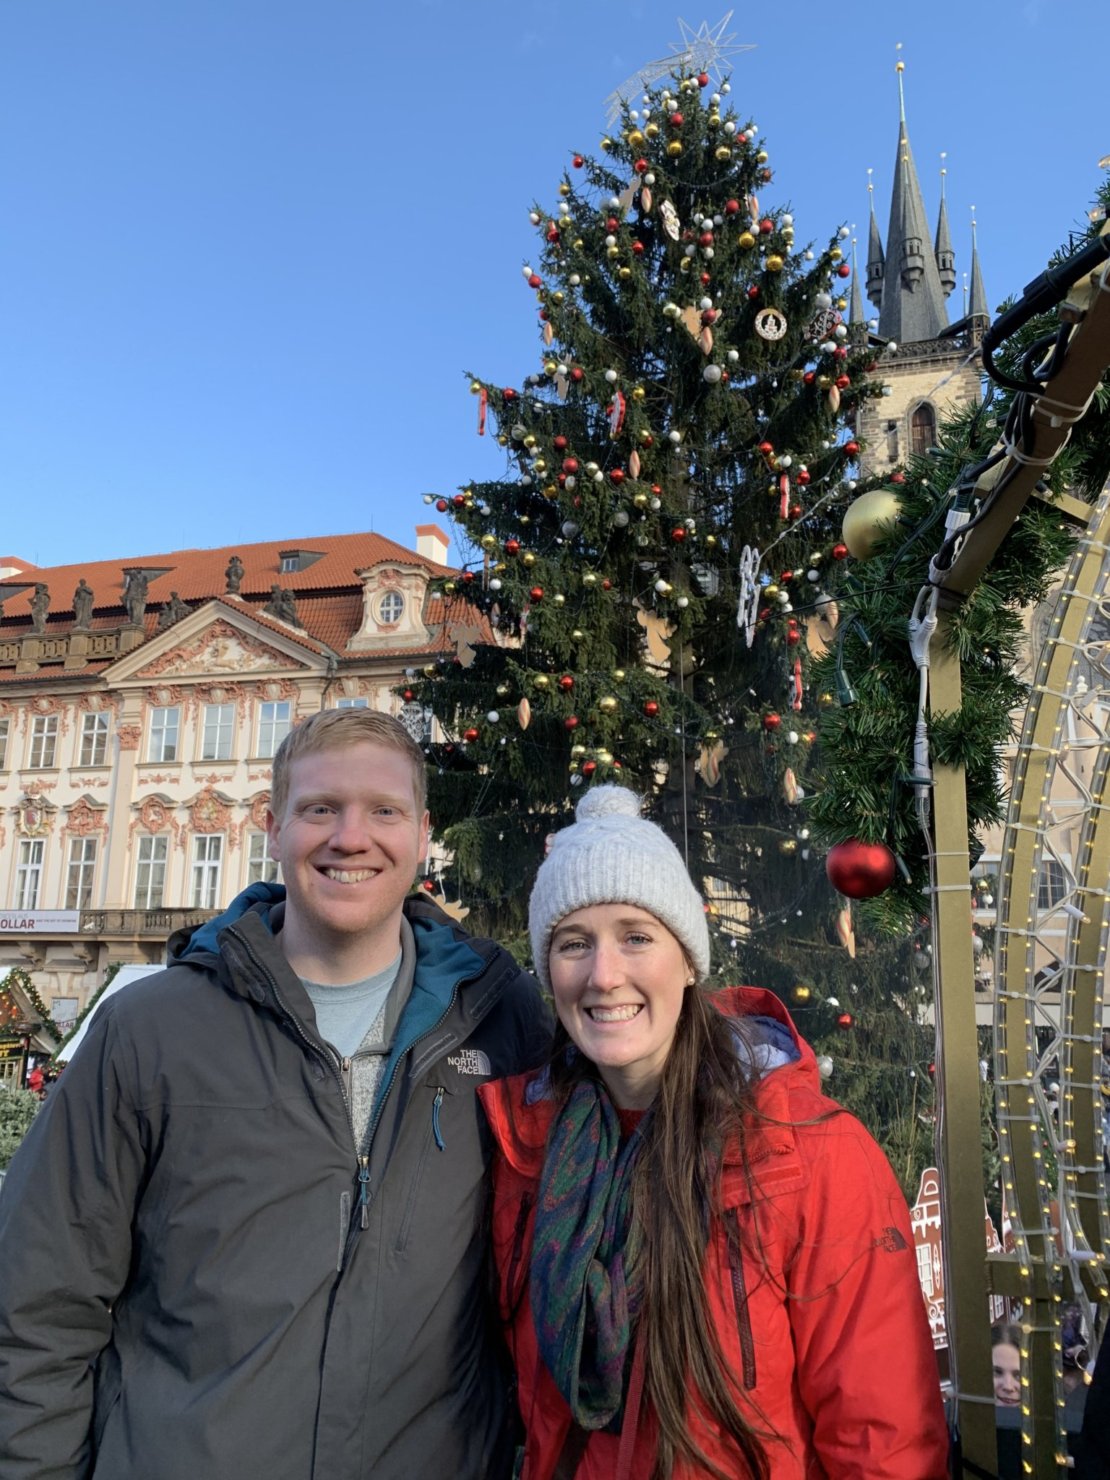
(470, 735)
(566, 683)
(840, 551)
(576, 374)
(851, 448)
(845, 1021)
(571, 722)
(544, 316)
(459, 500)
(793, 637)
(705, 239)
(860, 870)
(795, 512)
(428, 885)
(766, 448)
(843, 382)
(536, 593)
(678, 534)
(766, 176)
(468, 576)
(559, 442)
(803, 476)
(534, 280)
(844, 270)
(512, 547)
(407, 696)
(732, 207)
(710, 315)
(772, 721)
(705, 280)
(570, 464)
(442, 505)
(612, 224)
(651, 709)
(589, 768)
(840, 352)
(641, 166)
(766, 226)
(552, 232)
(637, 249)
(753, 292)
(578, 161)
(508, 394)
(703, 79)
(809, 377)
(616, 477)
(897, 477)
(606, 584)
(787, 575)
(676, 120)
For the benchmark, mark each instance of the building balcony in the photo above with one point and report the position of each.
(160, 924)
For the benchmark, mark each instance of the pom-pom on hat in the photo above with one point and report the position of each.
(612, 855)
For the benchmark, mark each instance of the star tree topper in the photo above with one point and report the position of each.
(705, 50)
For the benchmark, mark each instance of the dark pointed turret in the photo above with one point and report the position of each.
(855, 309)
(977, 309)
(913, 300)
(875, 259)
(946, 257)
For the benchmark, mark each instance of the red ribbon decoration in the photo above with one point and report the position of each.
(616, 414)
(483, 402)
(796, 701)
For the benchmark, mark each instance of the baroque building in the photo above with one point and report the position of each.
(141, 704)
(927, 365)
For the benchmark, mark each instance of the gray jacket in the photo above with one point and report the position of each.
(198, 1274)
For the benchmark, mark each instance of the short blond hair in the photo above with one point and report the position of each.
(335, 729)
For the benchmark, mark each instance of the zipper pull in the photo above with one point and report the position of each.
(436, 1103)
(364, 1191)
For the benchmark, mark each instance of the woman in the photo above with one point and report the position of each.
(1006, 1365)
(705, 1268)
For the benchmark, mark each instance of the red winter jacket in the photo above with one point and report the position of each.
(831, 1345)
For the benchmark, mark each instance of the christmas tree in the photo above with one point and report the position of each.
(657, 568)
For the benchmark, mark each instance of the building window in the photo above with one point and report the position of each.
(44, 741)
(208, 854)
(79, 876)
(290, 563)
(165, 725)
(923, 429)
(260, 866)
(273, 725)
(355, 703)
(4, 726)
(219, 732)
(1052, 884)
(390, 607)
(94, 740)
(28, 874)
(150, 875)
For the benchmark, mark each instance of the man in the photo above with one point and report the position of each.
(244, 1240)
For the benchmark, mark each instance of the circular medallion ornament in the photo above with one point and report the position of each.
(770, 323)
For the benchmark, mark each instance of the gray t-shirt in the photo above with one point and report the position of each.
(344, 1015)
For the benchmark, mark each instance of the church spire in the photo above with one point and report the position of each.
(913, 300)
(977, 303)
(946, 257)
(855, 308)
(875, 260)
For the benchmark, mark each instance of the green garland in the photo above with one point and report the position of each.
(18, 977)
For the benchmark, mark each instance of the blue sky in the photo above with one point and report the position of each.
(248, 248)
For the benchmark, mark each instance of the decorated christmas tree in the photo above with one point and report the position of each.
(655, 571)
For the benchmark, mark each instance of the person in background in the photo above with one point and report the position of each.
(245, 1237)
(1006, 1364)
(704, 1266)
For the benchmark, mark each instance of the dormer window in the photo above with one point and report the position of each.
(292, 561)
(390, 608)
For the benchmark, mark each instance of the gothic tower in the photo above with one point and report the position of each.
(927, 364)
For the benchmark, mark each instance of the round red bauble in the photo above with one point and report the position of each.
(705, 280)
(860, 870)
(470, 735)
(705, 239)
(651, 709)
(606, 584)
(616, 477)
(641, 166)
(637, 249)
(710, 316)
(407, 696)
(843, 382)
(559, 442)
(566, 683)
(578, 161)
(795, 511)
(534, 280)
(772, 721)
(793, 637)
(897, 477)
(703, 79)
(512, 547)
(428, 885)
(803, 476)
(570, 464)
(552, 232)
(612, 223)
(459, 500)
(844, 270)
(851, 448)
(787, 575)
(840, 551)
(845, 1021)
(576, 374)
(766, 226)
(536, 593)
(809, 377)
(442, 505)
(508, 393)
(468, 576)
(571, 722)
(678, 534)
(676, 120)
(544, 316)
(753, 292)
(589, 768)
(731, 207)
(766, 448)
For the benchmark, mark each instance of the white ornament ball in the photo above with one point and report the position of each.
(704, 303)
(675, 437)
(534, 217)
(712, 373)
(493, 717)
(620, 518)
(611, 377)
(683, 601)
(574, 279)
(787, 219)
(813, 575)
(824, 1063)
(649, 178)
(495, 583)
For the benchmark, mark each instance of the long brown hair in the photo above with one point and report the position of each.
(703, 1098)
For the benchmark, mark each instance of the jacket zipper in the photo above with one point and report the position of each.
(518, 1250)
(436, 1103)
(740, 1297)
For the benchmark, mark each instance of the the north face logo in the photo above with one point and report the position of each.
(471, 1061)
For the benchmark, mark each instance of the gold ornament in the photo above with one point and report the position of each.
(624, 274)
(551, 490)
(558, 296)
(788, 846)
(674, 148)
(540, 465)
(638, 393)
(578, 245)
(652, 130)
(867, 519)
(618, 674)
(608, 703)
(529, 440)
(635, 138)
(564, 189)
(710, 541)
(714, 120)
(559, 599)
(577, 635)
(612, 253)
(475, 387)
(640, 499)
(761, 157)
(541, 681)
(607, 144)
(802, 993)
(503, 690)
(746, 240)
(528, 558)
(488, 541)
(774, 263)
(502, 440)
(722, 153)
(589, 578)
(835, 255)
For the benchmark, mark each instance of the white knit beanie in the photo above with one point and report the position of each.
(612, 855)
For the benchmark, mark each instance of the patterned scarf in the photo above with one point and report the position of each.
(587, 1274)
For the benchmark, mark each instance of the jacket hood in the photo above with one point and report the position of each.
(202, 941)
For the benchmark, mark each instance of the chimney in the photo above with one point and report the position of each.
(432, 544)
